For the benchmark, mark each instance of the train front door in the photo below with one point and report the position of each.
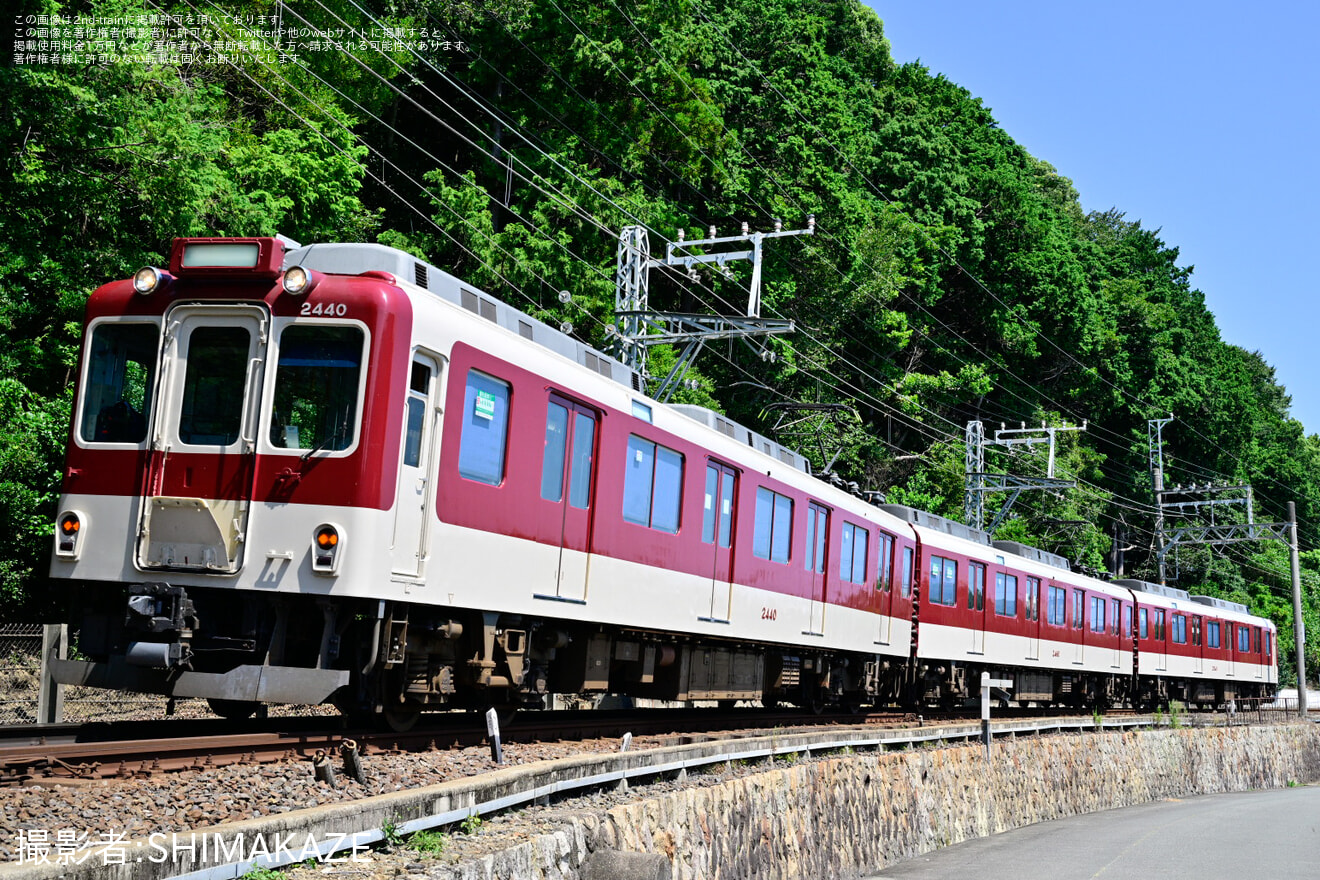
(203, 437)
(567, 477)
(412, 504)
(717, 535)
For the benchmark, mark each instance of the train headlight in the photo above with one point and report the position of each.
(68, 534)
(297, 281)
(327, 547)
(148, 280)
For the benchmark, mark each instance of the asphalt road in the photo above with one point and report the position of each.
(1259, 835)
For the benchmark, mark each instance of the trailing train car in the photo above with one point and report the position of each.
(337, 473)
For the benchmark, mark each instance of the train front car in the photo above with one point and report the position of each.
(225, 478)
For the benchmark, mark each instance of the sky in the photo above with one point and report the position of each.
(1198, 119)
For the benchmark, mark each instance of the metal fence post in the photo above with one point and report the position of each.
(50, 696)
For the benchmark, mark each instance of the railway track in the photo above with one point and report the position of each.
(70, 753)
(33, 754)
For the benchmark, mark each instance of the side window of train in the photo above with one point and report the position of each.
(482, 447)
(1244, 639)
(1033, 598)
(852, 553)
(717, 513)
(1058, 611)
(1006, 587)
(1179, 629)
(1143, 621)
(1159, 625)
(1212, 634)
(943, 581)
(652, 485)
(773, 527)
(1196, 631)
(1097, 614)
(885, 579)
(1127, 621)
(909, 560)
(121, 378)
(1268, 646)
(1079, 609)
(315, 404)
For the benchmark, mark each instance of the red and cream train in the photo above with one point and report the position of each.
(337, 473)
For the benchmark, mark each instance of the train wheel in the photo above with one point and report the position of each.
(234, 710)
(403, 717)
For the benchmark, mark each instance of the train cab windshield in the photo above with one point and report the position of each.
(120, 384)
(317, 382)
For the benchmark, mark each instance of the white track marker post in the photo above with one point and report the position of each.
(986, 683)
(493, 733)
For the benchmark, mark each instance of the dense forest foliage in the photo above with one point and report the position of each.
(952, 277)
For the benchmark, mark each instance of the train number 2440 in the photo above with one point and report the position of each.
(769, 613)
(331, 310)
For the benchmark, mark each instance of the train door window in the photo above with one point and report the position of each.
(817, 531)
(717, 515)
(556, 451)
(652, 485)
(1212, 634)
(1255, 630)
(315, 404)
(1180, 629)
(1032, 610)
(419, 390)
(884, 580)
(1079, 609)
(1097, 614)
(1117, 614)
(481, 448)
(975, 586)
(710, 512)
(1159, 625)
(773, 526)
(211, 410)
(1143, 624)
(943, 581)
(1057, 613)
(852, 553)
(1196, 631)
(909, 560)
(1006, 586)
(579, 474)
(120, 382)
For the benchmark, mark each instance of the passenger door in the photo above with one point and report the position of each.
(203, 437)
(421, 425)
(717, 535)
(976, 606)
(1079, 626)
(818, 526)
(567, 479)
(1034, 596)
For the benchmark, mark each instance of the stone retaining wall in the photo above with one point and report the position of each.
(851, 815)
